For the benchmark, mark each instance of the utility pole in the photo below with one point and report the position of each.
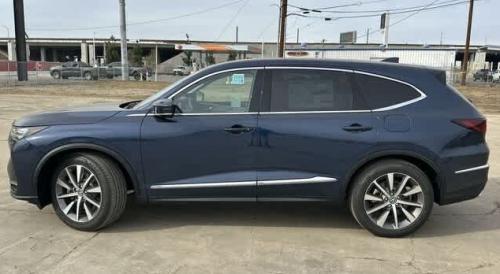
(282, 29)
(236, 34)
(367, 35)
(123, 34)
(298, 35)
(94, 51)
(467, 44)
(386, 30)
(22, 65)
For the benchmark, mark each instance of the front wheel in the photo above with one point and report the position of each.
(391, 198)
(88, 76)
(88, 191)
(56, 74)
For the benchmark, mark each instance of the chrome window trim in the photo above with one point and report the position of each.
(312, 180)
(471, 169)
(210, 75)
(391, 107)
(196, 114)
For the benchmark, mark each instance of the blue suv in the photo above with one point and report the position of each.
(387, 140)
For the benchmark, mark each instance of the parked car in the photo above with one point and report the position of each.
(75, 69)
(387, 140)
(483, 75)
(115, 69)
(181, 70)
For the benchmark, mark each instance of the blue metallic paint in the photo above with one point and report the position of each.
(195, 149)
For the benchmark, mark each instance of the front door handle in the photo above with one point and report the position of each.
(357, 128)
(238, 129)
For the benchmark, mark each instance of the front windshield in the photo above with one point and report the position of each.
(160, 93)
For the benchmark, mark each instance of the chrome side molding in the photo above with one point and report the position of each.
(312, 180)
(471, 169)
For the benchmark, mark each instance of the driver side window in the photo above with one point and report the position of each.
(228, 92)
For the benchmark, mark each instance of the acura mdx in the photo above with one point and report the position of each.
(387, 140)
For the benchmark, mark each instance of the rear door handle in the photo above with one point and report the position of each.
(357, 128)
(238, 129)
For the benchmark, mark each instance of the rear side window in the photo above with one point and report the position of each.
(380, 92)
(312, 90)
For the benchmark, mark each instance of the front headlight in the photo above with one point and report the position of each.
(18, 133)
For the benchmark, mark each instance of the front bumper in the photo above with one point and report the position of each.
(14, 190)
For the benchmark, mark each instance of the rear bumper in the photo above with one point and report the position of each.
(464, 184)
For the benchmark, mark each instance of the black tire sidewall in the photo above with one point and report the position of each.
(363, 180)
(56, 75)
(103, 176)
(87, 76)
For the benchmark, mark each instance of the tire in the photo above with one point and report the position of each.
(56, 74)
(365, 196)
(106, 189)
(136, 76)
(88, 75)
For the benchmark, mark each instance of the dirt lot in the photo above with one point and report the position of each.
(238, 238)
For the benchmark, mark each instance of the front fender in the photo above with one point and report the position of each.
(121, 160)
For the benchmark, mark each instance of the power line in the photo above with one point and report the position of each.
(425, 8)
(390, 10)
(231, 20)
(401, 20)
(359, 3)
(141, 22)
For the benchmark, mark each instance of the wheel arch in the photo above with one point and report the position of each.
(422, 162)
(49, 161)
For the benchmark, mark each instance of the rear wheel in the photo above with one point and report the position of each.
(88, 191)
(391, 198)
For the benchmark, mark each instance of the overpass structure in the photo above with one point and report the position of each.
(90, 49)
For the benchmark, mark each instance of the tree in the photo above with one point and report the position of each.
(188, 61)
(112, 51)
(136, 55)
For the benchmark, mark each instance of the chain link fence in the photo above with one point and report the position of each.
(66, 72)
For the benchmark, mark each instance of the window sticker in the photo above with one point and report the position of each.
(238, 79)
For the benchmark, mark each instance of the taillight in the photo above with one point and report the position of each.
(478, 124)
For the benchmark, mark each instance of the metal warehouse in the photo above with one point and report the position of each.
(447, 57)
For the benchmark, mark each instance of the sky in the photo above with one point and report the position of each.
(216, 20)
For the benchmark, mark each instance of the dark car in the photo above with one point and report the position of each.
(75, 69)
(115, 69)
(388, 140)
(483, 75)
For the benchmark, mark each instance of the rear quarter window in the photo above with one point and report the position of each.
(381, 92)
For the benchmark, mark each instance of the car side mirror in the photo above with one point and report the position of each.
(165, 108)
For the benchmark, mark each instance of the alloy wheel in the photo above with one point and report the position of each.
(78, 193)
(393, 200)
